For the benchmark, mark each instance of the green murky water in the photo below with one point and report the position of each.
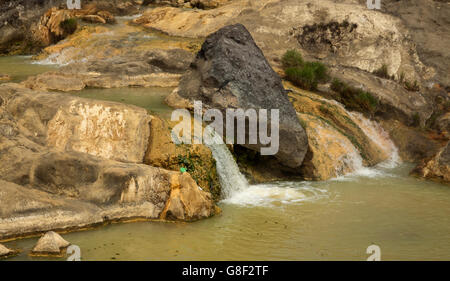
(151, 98)
(408, 218)
(19, 68)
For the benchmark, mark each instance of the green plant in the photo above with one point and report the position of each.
(416, 119)
(401, 78)
(306, 75)
(353, 98)
(413, 87)
(292, 58)
(69, 25)
(302, 77)
(382, 72)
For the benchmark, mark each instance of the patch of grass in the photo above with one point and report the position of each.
(383, 72)
(353, 98)
(69, 25)
(306, 75)
(416, 119)
(412, 87)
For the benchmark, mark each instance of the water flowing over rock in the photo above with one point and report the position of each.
(230, 71)
(340, 142)
(231, 179)
(50, 244)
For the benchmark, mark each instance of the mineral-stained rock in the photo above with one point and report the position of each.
(413, 145)
(444, 124)
(438, 167)
(231, 71)
(186, 202)
(49, 29)
(196, 158)
(107, 16)
(93, 19)
(50, 244)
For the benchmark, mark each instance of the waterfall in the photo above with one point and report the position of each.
(380, 137)
(231, 179)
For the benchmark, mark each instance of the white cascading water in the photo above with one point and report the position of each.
(380, 137)
(231, 179)
(236, 190)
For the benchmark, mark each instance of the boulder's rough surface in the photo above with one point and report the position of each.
(230, 71)
(437, 168)
(51, 243)
(48, 184)
(413, 145)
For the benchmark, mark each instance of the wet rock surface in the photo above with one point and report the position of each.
(230, 71)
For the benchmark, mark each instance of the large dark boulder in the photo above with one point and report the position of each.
(230, 71)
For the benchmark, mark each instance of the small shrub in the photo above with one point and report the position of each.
(292, 58)
(416, 119)
(353, 98)
(382, 72)
(413, 87)
(401, 78)
(319, 69)
(69, 25)
(302, 77)
(306, 75)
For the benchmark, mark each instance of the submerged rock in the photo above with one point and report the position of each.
(154, 68)
(5, 252)
(230, 71)
(4, 77)
(50, 244)
(437, 168)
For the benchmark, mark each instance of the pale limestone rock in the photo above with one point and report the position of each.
(50, 244)
(103, 129)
